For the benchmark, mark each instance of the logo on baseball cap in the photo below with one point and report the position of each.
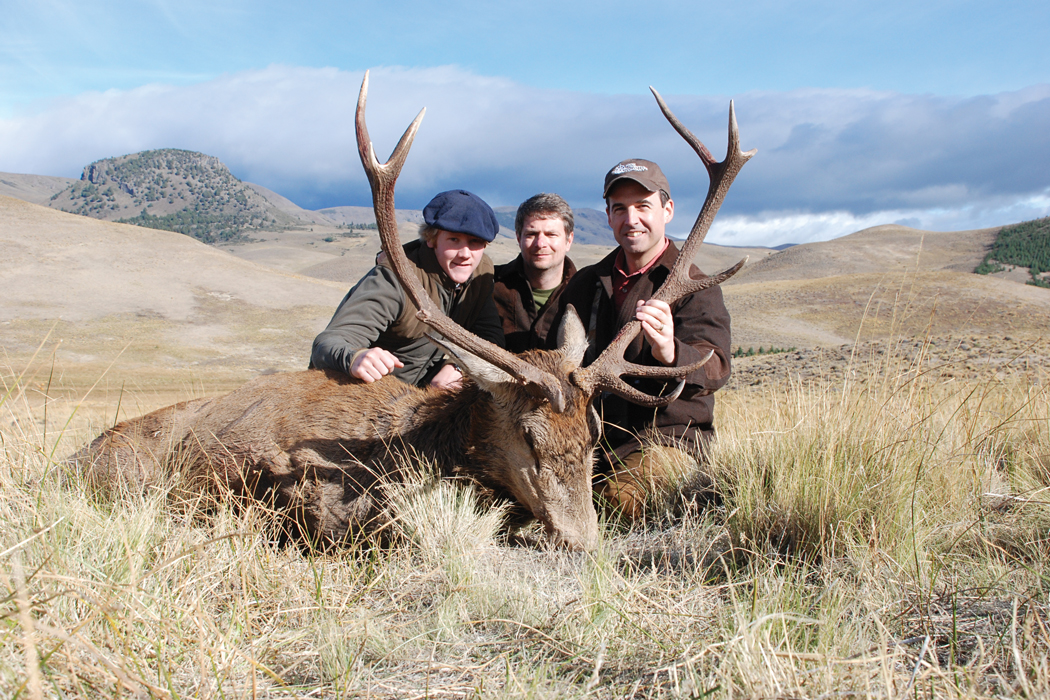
(645, 172)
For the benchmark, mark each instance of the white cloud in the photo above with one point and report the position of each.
(775, 228)
(829, 161)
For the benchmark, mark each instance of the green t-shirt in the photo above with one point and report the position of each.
(542, 296)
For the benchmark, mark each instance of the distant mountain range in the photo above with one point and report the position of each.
(197, 195)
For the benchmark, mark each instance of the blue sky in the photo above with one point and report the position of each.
(933, 114)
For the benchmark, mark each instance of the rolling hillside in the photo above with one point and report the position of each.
(873, 250)
(37, 189)
(880, 281)
(195, 194)
(1026, 246)
(96, 291)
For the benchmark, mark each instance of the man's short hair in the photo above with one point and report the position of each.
(546, 206)
(427, 233)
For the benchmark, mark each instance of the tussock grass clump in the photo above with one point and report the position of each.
(897, 461)
(882, 537)
(443, 519)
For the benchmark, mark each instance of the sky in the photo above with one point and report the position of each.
(932, 114)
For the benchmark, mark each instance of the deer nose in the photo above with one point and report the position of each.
(581, 537)
(586, 542)
(571, 543)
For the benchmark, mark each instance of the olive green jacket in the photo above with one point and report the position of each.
(378, 313)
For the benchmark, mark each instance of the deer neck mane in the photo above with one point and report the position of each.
(442, 427)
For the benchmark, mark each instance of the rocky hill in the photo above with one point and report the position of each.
(172, 190)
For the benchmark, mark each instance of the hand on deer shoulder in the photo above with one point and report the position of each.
(658, 327)
(373, 364)
(448, 377)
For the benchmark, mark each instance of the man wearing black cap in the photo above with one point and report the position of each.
(616, 290)
(375, 332)
(528, 287)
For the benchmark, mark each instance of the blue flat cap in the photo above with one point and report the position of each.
(460, 211)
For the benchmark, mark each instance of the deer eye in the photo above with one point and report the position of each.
(529, 440)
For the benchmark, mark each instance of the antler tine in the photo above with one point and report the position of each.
(373, 168)
(608, 377)
(721, 174)
(683, 130)
(382, 177)
(605, 372)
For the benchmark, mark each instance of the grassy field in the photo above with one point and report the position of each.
(884, 532)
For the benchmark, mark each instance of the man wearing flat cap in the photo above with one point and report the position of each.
(617, 290)
(375, 332)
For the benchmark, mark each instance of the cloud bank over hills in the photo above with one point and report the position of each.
(830, 161)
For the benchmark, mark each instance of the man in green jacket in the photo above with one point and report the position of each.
(375, 332)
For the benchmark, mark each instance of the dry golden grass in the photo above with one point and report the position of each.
(882, 536)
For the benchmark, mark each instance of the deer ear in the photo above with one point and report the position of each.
(486, 374)
(572, 338)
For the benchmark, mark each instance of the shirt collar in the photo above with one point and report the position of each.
(620, 263)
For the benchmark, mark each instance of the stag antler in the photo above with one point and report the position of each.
(382, 177)
(605, 373)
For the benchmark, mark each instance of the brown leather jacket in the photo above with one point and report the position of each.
(525, 327)
(701, 323)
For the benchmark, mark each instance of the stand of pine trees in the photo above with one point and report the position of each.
(1022, 245)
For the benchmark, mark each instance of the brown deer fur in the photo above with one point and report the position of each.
(319, 445)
